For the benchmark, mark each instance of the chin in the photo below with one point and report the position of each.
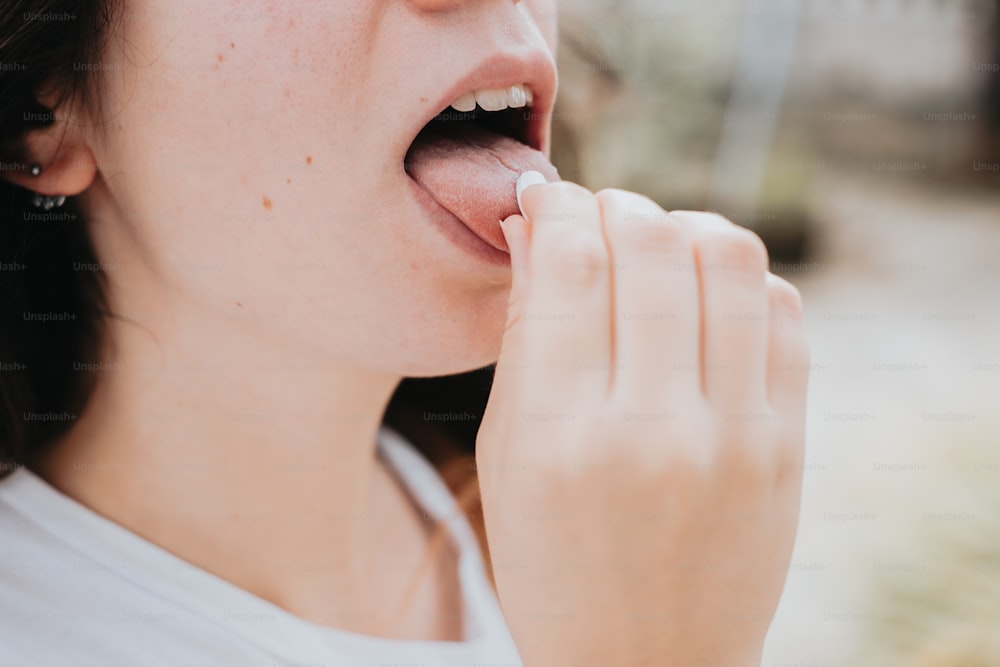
(457, 351)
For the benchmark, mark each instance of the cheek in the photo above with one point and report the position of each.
(247, 114)
(253, 209)
(546, 15)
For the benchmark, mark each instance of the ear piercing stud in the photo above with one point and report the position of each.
(45, 202)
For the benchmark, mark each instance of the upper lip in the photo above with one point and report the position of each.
(536, 70)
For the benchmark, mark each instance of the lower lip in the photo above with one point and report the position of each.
(456, 231)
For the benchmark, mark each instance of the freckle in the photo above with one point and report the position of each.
(232, 45)
(291, 23)
(288, 182)
(267, 203)
(221, 58)
(423, 99)
(309, 159)
(239, 304)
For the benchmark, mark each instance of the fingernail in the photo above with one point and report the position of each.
(526, 180)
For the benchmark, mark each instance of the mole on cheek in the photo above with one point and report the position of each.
(309, 159)
(267, 203)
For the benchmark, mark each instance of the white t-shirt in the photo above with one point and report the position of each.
(78, 590)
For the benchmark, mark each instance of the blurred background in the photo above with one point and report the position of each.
(861, 140)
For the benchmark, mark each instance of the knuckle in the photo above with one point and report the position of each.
(617, 200)
(790, 455)
(640, 222)
(661, 441)
(795, 350)
(570, 190)
(785, 298)
(659, 236)
(736, 249)
(562, 201)
(611, 195)
(753, 458)
(700, 220)
(581, 259)
(789, 464)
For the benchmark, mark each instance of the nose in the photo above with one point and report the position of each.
(443, 5)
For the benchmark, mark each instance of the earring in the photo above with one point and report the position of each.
(48, 202)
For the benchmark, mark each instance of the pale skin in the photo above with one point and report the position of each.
(270, 312)
(650, 396)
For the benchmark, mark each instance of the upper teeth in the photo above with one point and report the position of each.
(495, 99)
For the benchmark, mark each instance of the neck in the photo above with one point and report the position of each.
(251, 461)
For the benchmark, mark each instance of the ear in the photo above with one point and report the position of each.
(68, 165)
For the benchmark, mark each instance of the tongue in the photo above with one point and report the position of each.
(472, 172)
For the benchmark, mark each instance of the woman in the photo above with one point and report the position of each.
(238, 226)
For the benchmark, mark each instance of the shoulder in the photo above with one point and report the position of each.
(34, 566)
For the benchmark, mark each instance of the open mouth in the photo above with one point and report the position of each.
(504, 112)
(469, 156)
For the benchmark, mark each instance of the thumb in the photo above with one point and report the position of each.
(510, 362)
(517, 232)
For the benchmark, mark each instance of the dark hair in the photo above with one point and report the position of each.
(53, 314)
(40, 391)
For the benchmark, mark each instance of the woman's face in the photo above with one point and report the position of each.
(252, 163)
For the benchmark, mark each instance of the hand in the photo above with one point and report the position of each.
(640, 455)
